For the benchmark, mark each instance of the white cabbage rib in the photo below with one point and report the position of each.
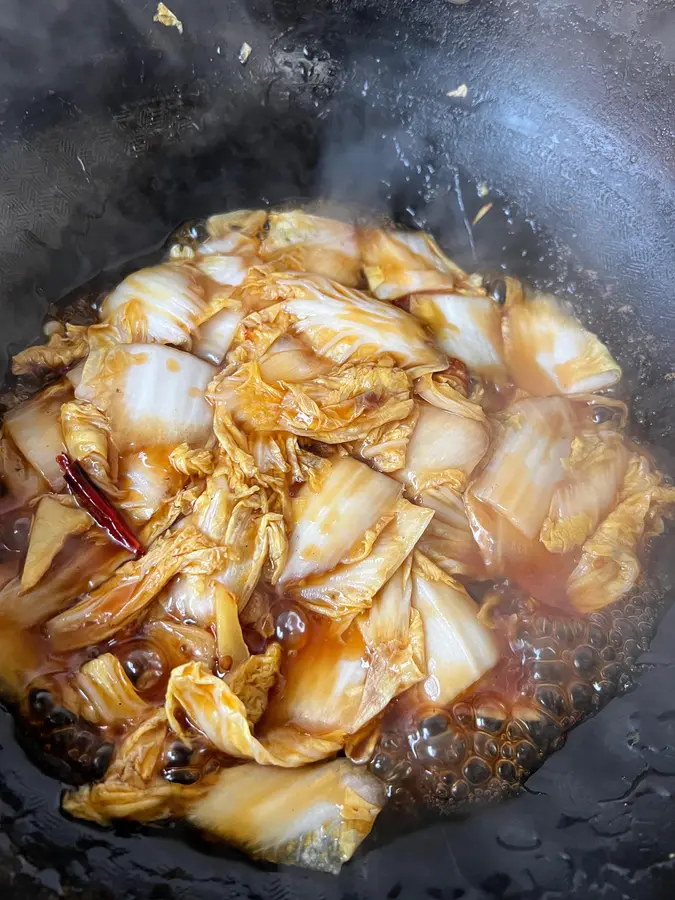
(314, 817)
(162, 304)
(351, 500)
(152, 395)
(398, 263)
(459, 649)
(467, 328)
(35, 429)
(550, 352)
(526, 464)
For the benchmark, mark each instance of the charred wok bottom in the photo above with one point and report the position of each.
(485, 745)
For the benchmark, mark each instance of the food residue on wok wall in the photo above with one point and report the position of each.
(311, 518)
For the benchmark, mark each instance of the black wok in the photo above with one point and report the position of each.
(116, 128)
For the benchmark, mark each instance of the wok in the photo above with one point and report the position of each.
(116, 128)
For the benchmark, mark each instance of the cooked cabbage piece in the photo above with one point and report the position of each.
(328, 247)
(352, 501)
(52, 525)
(162, 304)
(549, 352)
(35, 429)
(398, 263)
(314, 817)
(322, 441)
(467, 328)
(459, 648)
(152, 395)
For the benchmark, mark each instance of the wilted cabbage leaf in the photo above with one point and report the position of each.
(130, 789)
(35, 429)
(123, 597)
(162, 304)
(212, 707)
(315, 817)
(343, 406)
(440, 390)
(609, 566)
(253, 679)
(398, 263)
(232, 649)
(587, 493)
(550, 352)
(63, 349)
(307, 243)
(179, 642)
(108, 697)
(86, 433)
(350, 587)
(343, 325)
(53, 523)
(467, 328)
(459, 649)
(192, 462)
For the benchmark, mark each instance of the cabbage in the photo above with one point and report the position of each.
(467, 328)
(146, 481)
(61, 351)
(346, 325)
(131, 789)
(86, 433)
(234, 230)
(180, 642)
(315, 818)
(214, 336)
(53, 523)
(459, 649)
(81, 565)
(586, 495)
(152, 395)
(289, 359)
(324, 683)
(35, 428)
(192, 462)
(384, 447)
(189, 598)
(450, 544)
(550, 352)
(226, 271)
(296, 240)
(344, 406)
(328, 523)
(109, 697)
(438, 390)
(18, 477)
(254, 678)
(526, 463)
(124, 597)
(350, 587)
(162, 304)
(211, 706)
(232, 649)
(609, 566)
(444, 448)
(397, 263)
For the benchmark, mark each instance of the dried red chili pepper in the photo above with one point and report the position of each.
(98, 506)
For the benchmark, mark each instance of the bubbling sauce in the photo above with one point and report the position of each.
(560, 657)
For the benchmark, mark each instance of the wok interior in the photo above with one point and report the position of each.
(58, 270)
